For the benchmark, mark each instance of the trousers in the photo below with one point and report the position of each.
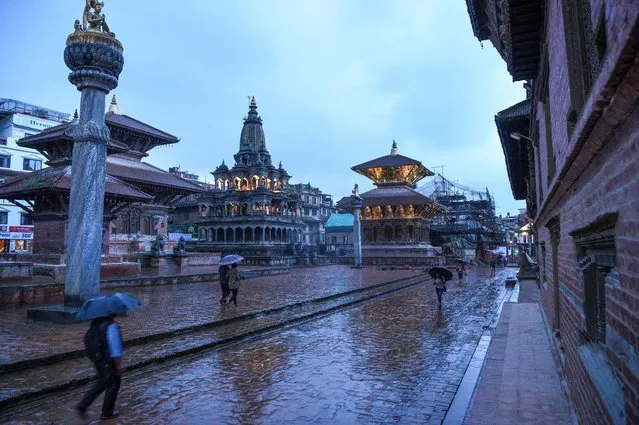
(440, 292)
(108, 382)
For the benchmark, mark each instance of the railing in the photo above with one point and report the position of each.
(250, 218)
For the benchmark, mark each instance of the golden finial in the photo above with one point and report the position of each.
(253, 103)
(113, 107)
(394, 148)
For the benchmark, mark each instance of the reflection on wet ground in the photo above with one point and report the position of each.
(170, 307)
(397, 359)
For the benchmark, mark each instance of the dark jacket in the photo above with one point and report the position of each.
(224, 274)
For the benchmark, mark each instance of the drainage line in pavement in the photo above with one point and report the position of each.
(461, 401)
(12, 401)
(55, 358)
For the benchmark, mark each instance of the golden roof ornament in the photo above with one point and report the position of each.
(253, 102)
(113, 107)
(394, 148)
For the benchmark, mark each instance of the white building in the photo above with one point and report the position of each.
(18, 120)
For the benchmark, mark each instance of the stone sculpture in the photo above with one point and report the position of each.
(180, 248)
(157, 247)
(355, 192)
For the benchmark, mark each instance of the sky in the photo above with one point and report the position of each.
(336, 81)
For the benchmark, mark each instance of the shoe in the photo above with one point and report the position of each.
(81, 413)
(111, 416)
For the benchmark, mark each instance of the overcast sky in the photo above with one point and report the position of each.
(335, 82)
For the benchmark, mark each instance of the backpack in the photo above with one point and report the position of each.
(95, 341)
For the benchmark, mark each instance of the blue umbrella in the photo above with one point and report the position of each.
(120, 302)
(230, 259)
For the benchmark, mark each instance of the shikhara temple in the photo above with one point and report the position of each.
(136, 202)
(253, 209)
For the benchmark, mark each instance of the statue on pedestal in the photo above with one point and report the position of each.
(180, 248)
(95, 21)
(157, 247)
(355, 192)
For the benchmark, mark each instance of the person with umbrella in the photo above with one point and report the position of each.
(103, 344)
(233, 275)
(223, 273)
(440, 276)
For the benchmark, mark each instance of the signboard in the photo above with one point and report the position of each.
(32, 122)
(4, 228)
(21, 229)
(16, 235)
(176, 236)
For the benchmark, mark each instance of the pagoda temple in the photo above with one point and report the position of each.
(394, 216)
(137, 195)
(394, 212)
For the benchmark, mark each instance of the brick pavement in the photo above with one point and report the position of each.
(519, 382)
(393, 360)
(171, 307)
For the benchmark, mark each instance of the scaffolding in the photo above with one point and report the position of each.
(469, 215)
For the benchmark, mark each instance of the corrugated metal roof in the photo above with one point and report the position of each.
(339, 220)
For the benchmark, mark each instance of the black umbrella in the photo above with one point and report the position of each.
(445, 273)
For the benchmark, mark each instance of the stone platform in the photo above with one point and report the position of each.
(41, 290)
(15, 270)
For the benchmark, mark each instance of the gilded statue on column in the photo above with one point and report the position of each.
(94, 20)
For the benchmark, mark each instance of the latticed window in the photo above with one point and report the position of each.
(596, 261)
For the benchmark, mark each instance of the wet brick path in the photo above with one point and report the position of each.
(171, 307)
(393, 360)
(71, 371)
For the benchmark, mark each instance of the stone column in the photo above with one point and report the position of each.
(95, 59)
(357, 231)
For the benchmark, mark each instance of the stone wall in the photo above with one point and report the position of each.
(589, 209)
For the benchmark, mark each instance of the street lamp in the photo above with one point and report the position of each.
(519, 136)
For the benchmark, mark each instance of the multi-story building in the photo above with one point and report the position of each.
(314, 207)
(19, 120)
(572, 150)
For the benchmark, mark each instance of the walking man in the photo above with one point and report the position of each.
(104, 347)
(492, 266)
(440, 288)
(223, 272)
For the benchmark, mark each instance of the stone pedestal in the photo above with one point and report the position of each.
(95, 60)
(171, 263)
(15, 271)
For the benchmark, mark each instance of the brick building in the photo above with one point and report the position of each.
(573, 157)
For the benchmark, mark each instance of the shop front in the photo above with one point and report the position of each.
(15, 238)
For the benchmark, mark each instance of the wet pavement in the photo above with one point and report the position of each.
(170, 307)
(394, 359)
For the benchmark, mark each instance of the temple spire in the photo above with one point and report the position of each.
(394, 148)
(113, 107)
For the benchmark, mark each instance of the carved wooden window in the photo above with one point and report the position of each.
(545, 98)
(582, 53)
(596, 259)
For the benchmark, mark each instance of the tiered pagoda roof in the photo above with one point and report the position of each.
(127, 177)
(393, 170)
(396, 178)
